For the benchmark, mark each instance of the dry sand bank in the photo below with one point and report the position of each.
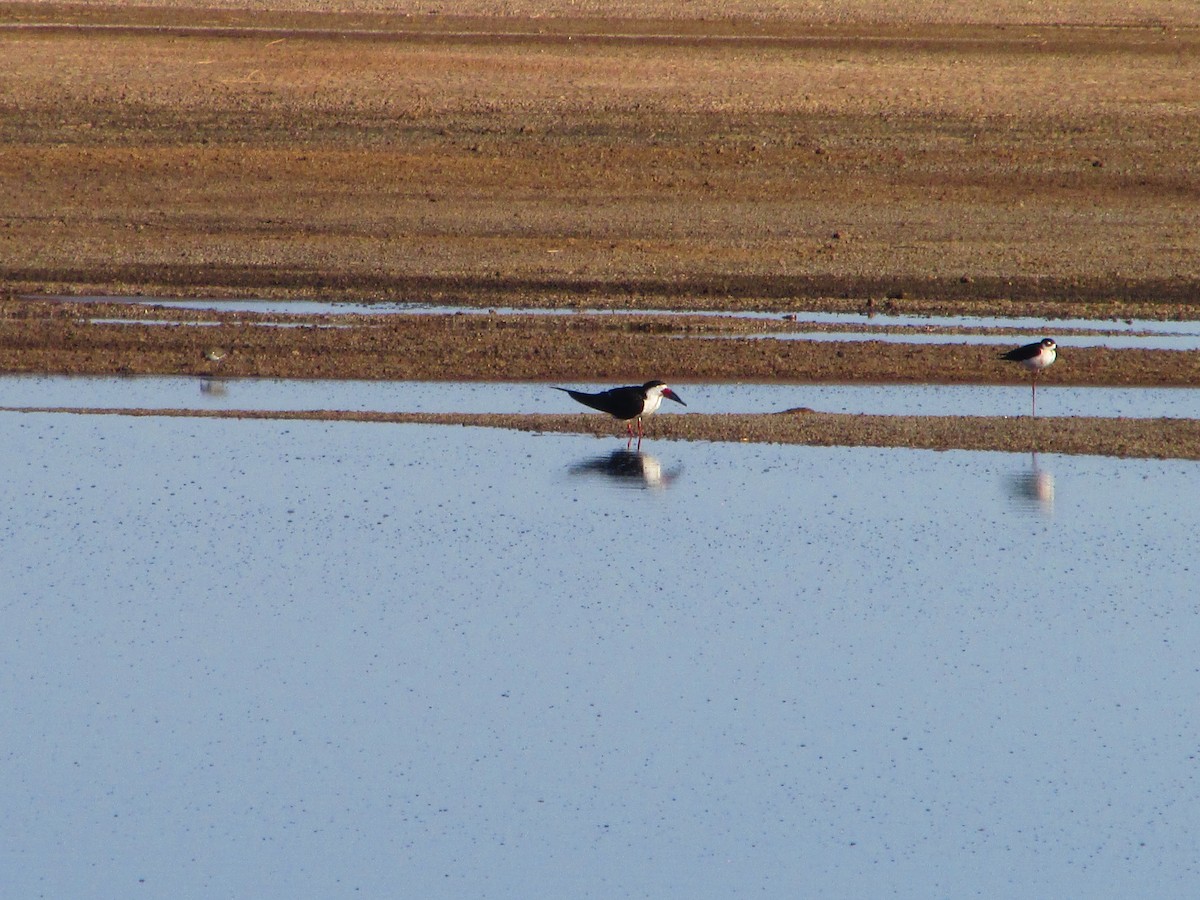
(867, 151)
(1053, 12)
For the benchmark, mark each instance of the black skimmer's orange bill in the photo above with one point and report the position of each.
(627, 403)
(1034, 357)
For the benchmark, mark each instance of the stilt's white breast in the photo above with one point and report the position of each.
(1046, 356)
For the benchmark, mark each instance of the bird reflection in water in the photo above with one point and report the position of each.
(210, 384)
(213, 387)
(630, 468)
(1033, 490)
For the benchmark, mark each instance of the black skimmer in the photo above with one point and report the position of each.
(1034, 357)
(627, 403)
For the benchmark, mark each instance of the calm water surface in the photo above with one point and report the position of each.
(153, 392)
(328, 659)
(1112, 341)
(1114, 333)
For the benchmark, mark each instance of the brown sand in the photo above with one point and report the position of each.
(753, 154)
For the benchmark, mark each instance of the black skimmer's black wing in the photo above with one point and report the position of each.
(620, 403)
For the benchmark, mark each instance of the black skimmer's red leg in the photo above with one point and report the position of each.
(1034, 357)
(628, 403)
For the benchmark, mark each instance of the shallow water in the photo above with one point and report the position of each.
(1114, 341)
(281, 659)
(1146, 334)
(153, 392)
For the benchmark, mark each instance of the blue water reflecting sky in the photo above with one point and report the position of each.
(1118, 341)
(336, 307)
(154, 392)
(283, 659)
(1114, 333)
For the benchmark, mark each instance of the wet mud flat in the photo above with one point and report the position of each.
(72, 338)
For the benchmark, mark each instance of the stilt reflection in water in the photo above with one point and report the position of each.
(1033, 490)
(629, 468)
(213, 387)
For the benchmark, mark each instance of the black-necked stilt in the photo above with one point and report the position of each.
(1034, 489)
(1034, 357)
(627, 403)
